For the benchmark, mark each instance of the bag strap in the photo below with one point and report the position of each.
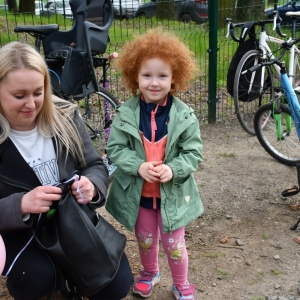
(64, 186)
(247, 29)
(74, 295)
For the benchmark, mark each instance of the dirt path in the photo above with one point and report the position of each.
(241, 187)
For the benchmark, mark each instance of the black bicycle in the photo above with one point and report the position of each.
(73, 57)
(252, 91)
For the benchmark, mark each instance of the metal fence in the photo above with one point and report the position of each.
(212, 62)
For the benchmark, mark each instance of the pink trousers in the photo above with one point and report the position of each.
(148, 229)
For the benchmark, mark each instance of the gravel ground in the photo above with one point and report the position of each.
(241, 247)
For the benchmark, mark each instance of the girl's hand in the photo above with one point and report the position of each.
(40, 199)
(87, 190)
(165, 173)
(147, 171)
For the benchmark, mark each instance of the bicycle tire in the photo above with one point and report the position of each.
(98, 126)
(285, 150)
(296, 77)
(97, 123)
(245, 110)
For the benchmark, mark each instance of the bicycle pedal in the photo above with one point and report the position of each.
(290, 191)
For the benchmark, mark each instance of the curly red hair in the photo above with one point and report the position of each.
(157, 44)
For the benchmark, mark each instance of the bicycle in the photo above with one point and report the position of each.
(253, 91)
(72, 57)
(277, 124)
(292, 191)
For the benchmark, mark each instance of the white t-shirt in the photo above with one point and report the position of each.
(39, 153)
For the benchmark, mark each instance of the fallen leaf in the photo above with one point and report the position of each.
(294, 207)
(224, 240)
(297, 239)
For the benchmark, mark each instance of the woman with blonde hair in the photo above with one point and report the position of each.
(42, 142)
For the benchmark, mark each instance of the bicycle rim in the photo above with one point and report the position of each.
(296, 77)
(99, 119)
(248, 99)
(286, 149)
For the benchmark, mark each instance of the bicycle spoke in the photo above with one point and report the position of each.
(286, 148)
(101, 116)
(249, 92)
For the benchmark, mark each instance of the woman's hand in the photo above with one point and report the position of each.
(40, 199)
(87, 190)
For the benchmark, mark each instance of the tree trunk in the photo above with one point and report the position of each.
(26, 6)
(165, 9)
(226, 10)
(249, 10)
(12, 6)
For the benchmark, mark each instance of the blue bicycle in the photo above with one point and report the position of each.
(277, 124)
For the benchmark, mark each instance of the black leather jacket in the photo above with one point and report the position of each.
(17, 178)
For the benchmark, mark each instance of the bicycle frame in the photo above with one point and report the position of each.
(105, 84)
(267, 54)
(263, 46)
(103, 63)
(294, 107)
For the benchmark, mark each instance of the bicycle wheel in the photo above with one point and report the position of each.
(98, 116)
(296, 77)
(286, 149)
(248, 93)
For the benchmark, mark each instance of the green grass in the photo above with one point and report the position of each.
(124, 30)
(232, 155)
(222, 272)
(265, 236)
(11, 20)
(120, 31)
(194, 35)
(261, 273)
(275, 272)
(212, 254)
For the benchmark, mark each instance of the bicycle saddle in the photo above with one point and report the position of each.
(37, 30)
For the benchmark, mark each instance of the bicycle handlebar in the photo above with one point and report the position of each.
(262, 64)
(230, 28)
(276, 25)
(285, 46)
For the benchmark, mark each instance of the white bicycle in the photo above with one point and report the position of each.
(251, 91)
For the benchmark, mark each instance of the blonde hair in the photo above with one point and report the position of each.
(55, 117)
(157, 43)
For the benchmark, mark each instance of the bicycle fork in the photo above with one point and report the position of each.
(108, 120)
(276, 114)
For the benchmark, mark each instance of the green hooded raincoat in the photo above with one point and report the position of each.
(180, 199)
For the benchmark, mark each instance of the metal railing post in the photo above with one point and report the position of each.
(212, 65)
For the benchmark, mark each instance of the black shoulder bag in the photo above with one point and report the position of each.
(83, 244)
(244, 46)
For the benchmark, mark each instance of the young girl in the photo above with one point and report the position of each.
(155, 144)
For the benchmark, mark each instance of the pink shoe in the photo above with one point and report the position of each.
(143, 285)
(183, 292)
